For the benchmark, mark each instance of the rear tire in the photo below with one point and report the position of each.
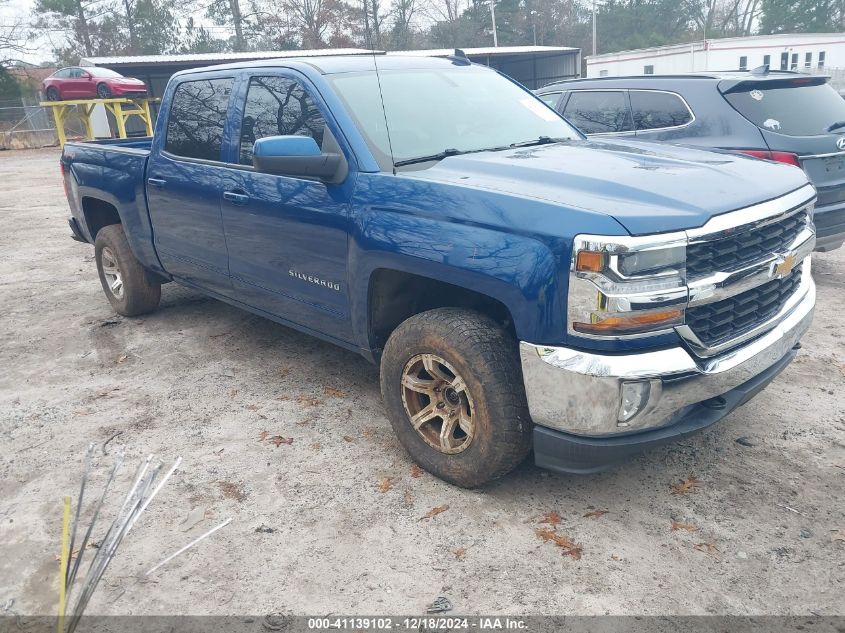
(454, 374)
(103, 91)
(124, 280)
(53, 94)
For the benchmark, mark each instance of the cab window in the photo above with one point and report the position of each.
(197, 118)
(278, 106)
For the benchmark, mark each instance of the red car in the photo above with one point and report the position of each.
(90, 83)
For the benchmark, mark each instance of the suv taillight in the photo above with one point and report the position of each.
(780, 157)
(64, 180)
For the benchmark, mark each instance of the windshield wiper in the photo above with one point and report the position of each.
(451, 151)
(541, 140)
(834, 126)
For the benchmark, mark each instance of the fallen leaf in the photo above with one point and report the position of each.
(386, 484)
(334, 393)
(707, 548)
(316, 446)
(233, 393)
(253, 407)
(284, 371)
(688, 485)
(262, 436)
(680, 525)
(349, 439)
(409, 498)
(570, 548)
(102, 393)
(596, 514)
(232, 490)
(434, 512)
(308, 402)
(278, 440)
(416, 471)
(460, 553)
(552, 518)
(122, 358)
(305, 422)
(837, 535)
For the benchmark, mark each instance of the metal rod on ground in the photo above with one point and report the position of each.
(63, 568)
(155, 492)
(118, 463)
(85, 472)
(133, 504)
(189, 545)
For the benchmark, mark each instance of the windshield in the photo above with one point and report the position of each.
(794, 108)
(102, 72)
(432, 110)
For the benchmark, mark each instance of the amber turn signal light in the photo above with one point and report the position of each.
(589, 261)
(631, 322)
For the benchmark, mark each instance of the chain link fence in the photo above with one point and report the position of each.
(26, 125)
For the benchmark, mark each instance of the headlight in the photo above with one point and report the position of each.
(627, 286)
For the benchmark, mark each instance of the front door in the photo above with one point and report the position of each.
(184, 185)
(287, 237)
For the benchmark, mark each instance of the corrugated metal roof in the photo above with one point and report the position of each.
(486, 50)
(212, 58)
(221, 58)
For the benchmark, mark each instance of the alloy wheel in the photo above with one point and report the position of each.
(438, 403)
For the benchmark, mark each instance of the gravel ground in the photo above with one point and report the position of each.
(313, 529)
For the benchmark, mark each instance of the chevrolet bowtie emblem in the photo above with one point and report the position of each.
(783, 266)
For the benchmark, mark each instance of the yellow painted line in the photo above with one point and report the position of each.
(65, 556)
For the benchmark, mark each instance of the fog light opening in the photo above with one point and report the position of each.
(633, 398)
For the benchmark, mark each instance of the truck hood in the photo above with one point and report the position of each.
(647, 187)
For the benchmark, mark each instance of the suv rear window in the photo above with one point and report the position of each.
(792, 108)
(654, 110)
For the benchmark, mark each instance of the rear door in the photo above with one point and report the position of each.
(600, 112)
(79, 85)
(184, 183)
(793, 114)
(287, 236)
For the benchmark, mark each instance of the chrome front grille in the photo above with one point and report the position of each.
(748, 247)
(716, 323)
(746, 270)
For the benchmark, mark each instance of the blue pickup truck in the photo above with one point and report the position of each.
(521, 286)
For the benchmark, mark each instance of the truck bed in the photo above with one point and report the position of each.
(111, 171)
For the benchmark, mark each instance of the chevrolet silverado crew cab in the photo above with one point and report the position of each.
(521, 286)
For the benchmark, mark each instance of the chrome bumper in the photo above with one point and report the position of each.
(580, 393)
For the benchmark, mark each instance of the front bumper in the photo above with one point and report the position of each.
(830, 226)
(574, 396)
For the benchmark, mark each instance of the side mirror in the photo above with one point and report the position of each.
(297, 156)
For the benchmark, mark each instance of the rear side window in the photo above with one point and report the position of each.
(656, 110)
(792, 108)
(198, 117)
(550, 98)
(599, 111)
(278, 106)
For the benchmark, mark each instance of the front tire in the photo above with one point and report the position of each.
(53, 94)
(124, 280)
(452, 385)
(103, 91)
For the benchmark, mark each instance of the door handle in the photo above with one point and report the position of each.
(156, 182)
(236, 198)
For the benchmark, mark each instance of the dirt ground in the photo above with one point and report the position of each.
(202, 380)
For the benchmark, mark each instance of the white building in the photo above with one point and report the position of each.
(805, 52)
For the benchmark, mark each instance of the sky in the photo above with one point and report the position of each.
(39, 47)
